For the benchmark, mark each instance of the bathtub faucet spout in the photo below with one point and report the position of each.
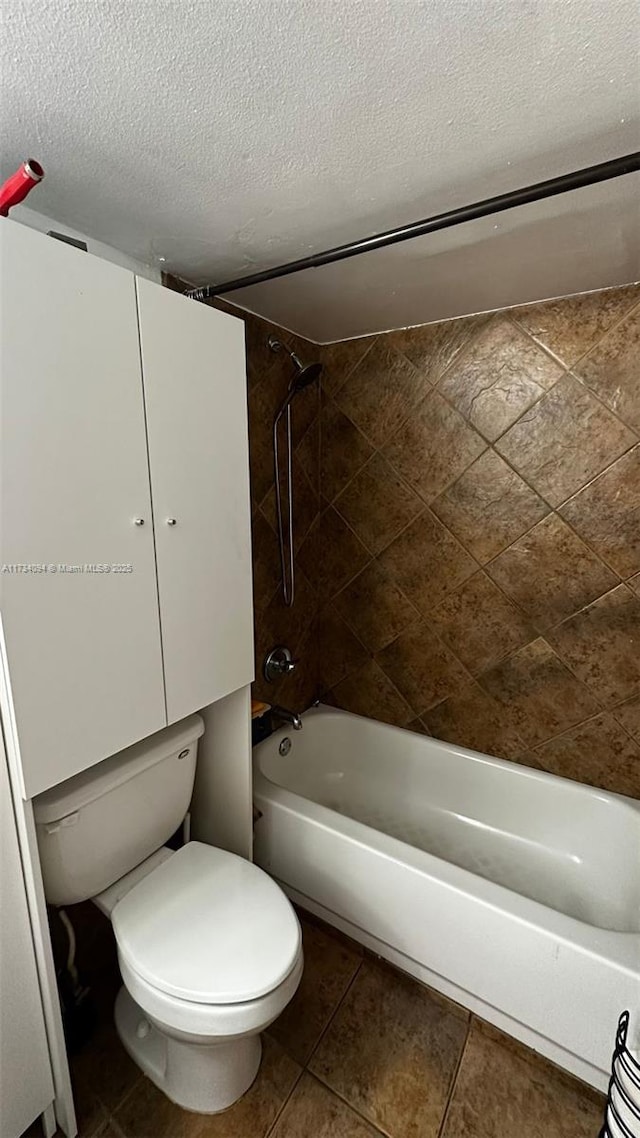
(286, 716)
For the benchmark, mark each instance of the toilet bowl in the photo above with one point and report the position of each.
(209, 947)
(210, 954)
(205, 1069)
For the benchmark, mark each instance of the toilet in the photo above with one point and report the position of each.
(209, 947)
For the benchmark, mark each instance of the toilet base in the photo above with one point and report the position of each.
(203, 1077)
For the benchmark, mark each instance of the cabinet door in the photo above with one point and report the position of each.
(81, 628)
(195, 391)
(26, 1082)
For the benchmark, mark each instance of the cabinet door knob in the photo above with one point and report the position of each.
(171, 521)
(138, 521)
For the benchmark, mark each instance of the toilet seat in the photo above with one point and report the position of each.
(206, 927)
(198, 1022)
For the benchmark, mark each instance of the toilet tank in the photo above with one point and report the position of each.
(100, 824)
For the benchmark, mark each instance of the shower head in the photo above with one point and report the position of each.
(304, 375)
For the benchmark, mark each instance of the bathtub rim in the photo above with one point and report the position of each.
(619, 947)
(510, 766)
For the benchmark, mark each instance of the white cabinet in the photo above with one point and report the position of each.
(195, 392)
(83, 648)
(26, 1081)
(119, 415)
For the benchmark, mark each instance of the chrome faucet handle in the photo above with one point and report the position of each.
(279, 662)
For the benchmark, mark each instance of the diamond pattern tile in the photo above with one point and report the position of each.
(370, 692)
(566, 439)
(572, 326)
(480, 624)
(489, 507)
(499, 377)
(421, 666)
(540, 693)
(612, 370)
(599, 752)
(601, 646)
(550, 573)
(377, 504)
(427, 562)
(440, 451)
(433, 347)
(433, 447)
(606, 514)
(347, 454)
(374, 607)
(381, 392)
(473, 719)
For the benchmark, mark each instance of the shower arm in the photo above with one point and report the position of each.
(588, 176)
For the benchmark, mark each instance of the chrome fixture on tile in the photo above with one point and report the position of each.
(279, 662)
(303, 376)
(286, 716)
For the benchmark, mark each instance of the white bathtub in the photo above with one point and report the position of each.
(512, 891)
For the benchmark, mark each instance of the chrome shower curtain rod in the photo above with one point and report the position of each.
(627, 164)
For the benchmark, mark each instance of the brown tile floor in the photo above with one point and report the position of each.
(362, 1051)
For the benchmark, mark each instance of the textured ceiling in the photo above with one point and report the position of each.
(229, 136)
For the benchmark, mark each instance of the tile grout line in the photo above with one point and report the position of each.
(491, 447)
(473, 336)
(114, 1125)
(111, 1113)
(421, 615)
(476, 679)
(572, 296)
(304, 1067)
(375, 1126)
(566, 369)
(553, 511)
(334, 1013)
(491, 444)
(405, 486)
(374, 336)
(454, 1081)
(270, 1129)
(460, 354)
(481, 567)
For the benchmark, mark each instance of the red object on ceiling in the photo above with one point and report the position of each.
(16, 188)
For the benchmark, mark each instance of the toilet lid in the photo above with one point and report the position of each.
(208, 926)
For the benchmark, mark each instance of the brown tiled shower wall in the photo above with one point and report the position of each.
(467, 518)
(468, 532)
(476, 561)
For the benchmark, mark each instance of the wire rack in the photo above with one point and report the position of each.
(622, 1119)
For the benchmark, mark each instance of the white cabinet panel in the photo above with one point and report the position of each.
(195, 391)
(26, 1082)
(83, 648)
